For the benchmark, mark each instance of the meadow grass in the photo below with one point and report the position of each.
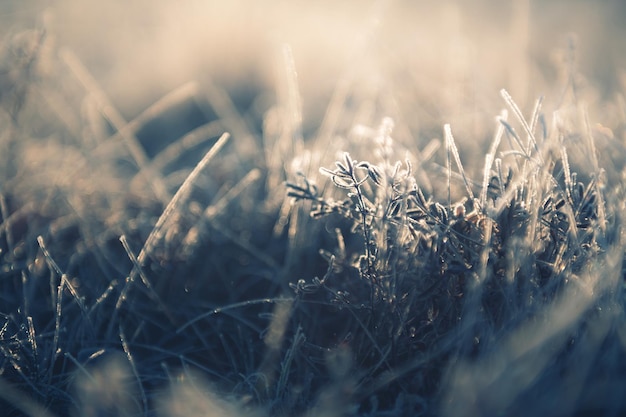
(205, 260)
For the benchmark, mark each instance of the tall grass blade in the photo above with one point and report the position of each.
(513, 134)
(567, 174)
(489, 160)
(285, 365)
(65, 281)
(451, 145)
(175, 203)
(57, 329)
(135, 262)
(158, 230)
(534, 120)
(32, 341)
(133, 366)
(151, 291)
(518, 113)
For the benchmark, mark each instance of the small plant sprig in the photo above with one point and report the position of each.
(346, 176)
(376, 197)
(380, 201)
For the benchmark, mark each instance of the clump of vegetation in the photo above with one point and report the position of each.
(430, 283)
(215, 273)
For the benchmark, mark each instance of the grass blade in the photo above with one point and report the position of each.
(180, 196)
(451, 146)
(489, 160)
(518, 113)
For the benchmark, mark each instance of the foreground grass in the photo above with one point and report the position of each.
(165, 267)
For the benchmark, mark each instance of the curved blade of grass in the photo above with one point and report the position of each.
(175, 203)
(232, 306)
(181, 195)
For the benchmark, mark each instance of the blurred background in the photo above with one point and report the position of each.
(442, 60)
(421, 62)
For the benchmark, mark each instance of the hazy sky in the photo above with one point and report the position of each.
(140, 49)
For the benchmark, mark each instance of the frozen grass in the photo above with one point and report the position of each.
(183, 264)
